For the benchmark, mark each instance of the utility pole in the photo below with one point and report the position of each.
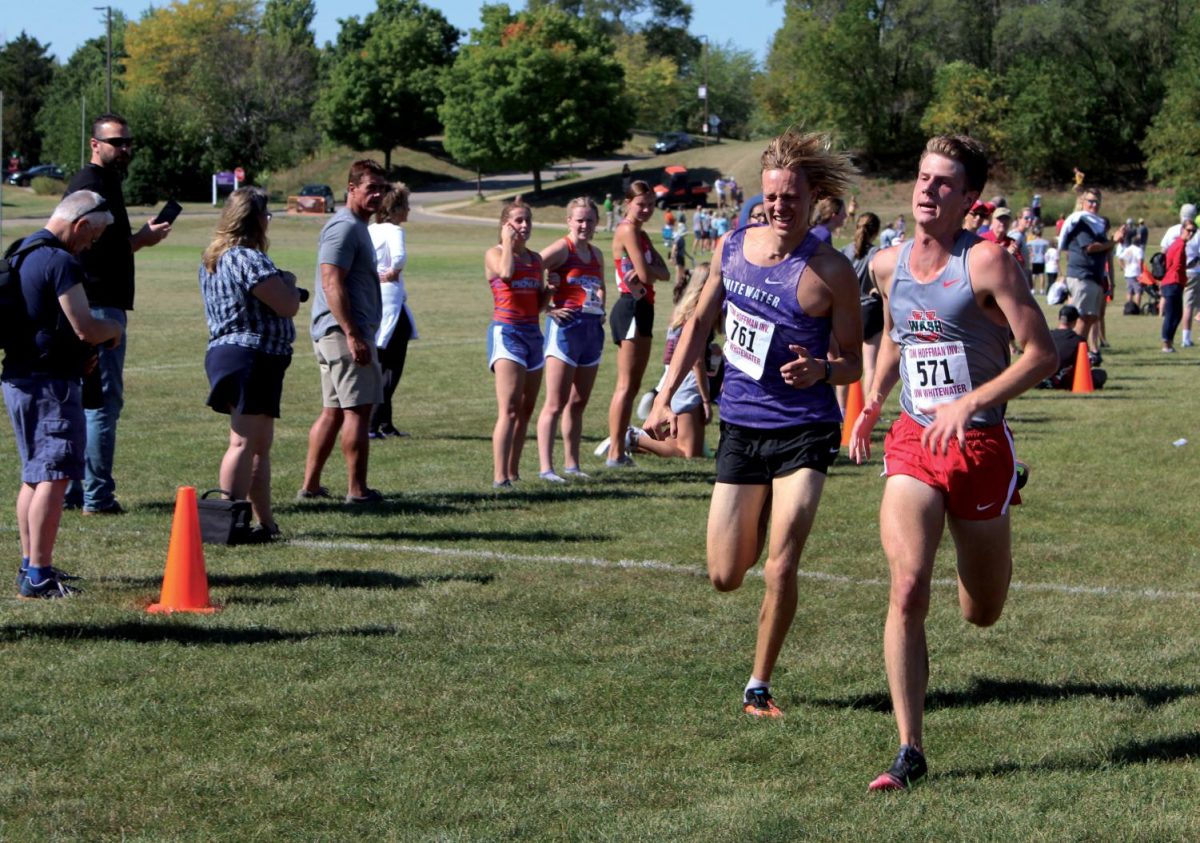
(704, 90)
(108, 19)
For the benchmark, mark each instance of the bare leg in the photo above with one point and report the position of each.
(559, 375)
(632, 357)
(528, 399)
(356, 447)
(984, 567)
(39, 511)
(793, 508)
(321, 439)
(260, 488)
(910, 524)
(572, 420)
(689, 444)
(510, 386)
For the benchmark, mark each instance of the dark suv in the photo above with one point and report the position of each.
(23, 178)
(673, 142)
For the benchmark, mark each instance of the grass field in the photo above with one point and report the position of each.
(551, 663)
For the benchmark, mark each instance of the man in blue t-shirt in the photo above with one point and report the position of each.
(42, 380)
(346, 313)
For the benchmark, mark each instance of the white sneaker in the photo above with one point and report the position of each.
(632, 435)
(550, 477)
(602, 448)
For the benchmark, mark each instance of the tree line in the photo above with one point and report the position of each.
(1103, 85)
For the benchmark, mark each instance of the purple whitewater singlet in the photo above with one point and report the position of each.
(762, 318)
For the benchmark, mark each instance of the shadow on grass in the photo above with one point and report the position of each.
(152, 632)
(455, 503)
(985, 691)
(1172, 748)
(326, 578)
(538, 536)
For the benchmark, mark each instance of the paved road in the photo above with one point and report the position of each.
(438, 201)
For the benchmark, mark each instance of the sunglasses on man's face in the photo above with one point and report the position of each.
(118, 142)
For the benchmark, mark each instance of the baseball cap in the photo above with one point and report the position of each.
(984, 209)
(1069, 313)
(1187, 212)
(1002, 213)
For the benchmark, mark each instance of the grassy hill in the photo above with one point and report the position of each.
(414, 167)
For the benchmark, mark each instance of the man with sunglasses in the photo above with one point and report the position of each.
(109, 283)
(42, 379)
(1085, 240)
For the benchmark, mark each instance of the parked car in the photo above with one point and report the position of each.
(679, 190)
(322, 190)
(22, 178)
(673, 142)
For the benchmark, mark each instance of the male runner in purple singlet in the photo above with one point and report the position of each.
(785, 294)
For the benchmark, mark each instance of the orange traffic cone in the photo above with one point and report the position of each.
(185, 583)
(1083, 371)
(854, 406)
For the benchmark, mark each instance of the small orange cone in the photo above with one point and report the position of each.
(185, 583)
(854, 406)
(1083, 371)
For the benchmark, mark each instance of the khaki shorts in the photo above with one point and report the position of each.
(1085, 295)
(345, 384)
(1191, 293)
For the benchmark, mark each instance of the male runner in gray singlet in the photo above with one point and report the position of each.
(951, 300)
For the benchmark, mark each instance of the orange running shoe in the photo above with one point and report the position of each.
(758, 703)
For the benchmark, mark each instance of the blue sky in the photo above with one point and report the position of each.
(65, 24)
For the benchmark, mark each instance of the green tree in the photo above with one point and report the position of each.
(383, 82)
(728, 72)
(25, 74)
(1172, 145)
(80, 84)
(652, 83)
(246, 93)
(967, 100)
(850, 67)
(532, 89)
(667, 34)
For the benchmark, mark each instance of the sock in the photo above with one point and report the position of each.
(1187, 335)
(24, 563)
(38, 575)
(755, 684)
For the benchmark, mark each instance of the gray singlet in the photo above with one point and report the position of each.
(948, 345)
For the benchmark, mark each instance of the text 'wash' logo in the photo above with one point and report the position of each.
(925, 325)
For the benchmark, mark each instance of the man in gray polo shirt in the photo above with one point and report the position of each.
(347, 309)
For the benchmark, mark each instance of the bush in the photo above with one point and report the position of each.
(43, 186)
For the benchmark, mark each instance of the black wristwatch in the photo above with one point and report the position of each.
(828, 371)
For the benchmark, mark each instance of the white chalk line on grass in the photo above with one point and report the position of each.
(696, 571)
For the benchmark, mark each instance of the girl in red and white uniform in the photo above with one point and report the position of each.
(574, 335)
(638, 266)
(515, 355)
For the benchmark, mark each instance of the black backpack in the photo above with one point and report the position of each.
(14, 319)
(1158, 266)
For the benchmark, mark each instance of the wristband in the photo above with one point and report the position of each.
(828, 371)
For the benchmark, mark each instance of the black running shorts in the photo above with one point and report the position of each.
(631, 318)
(751, 457)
